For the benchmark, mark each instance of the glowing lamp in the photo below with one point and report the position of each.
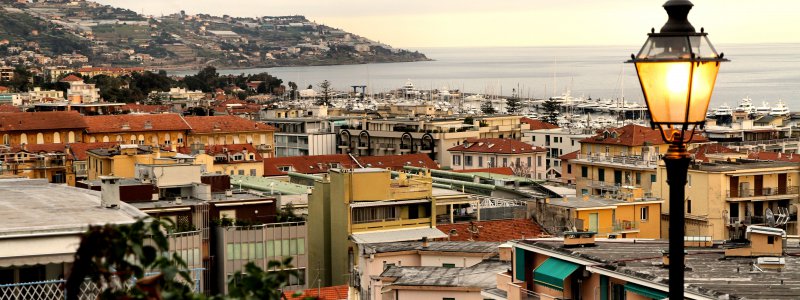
(677, 68)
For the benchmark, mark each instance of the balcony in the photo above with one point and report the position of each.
(264, 147)
(766, 193)
(636, 161)
(625, 226)
(362, 146)
(391, 224)
(755, 220)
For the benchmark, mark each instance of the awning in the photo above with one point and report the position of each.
(646, 291)
(552, 272)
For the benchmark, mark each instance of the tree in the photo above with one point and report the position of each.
(325, 88)
(293, 87)
(552, 109)
(487, 108)
(262, 88)
(521, 169)
(513, 105)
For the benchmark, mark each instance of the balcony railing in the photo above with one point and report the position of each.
(763, 192)
(751, 220)
(630, 160)
(622, 225)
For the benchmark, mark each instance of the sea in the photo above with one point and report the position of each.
(764, 72)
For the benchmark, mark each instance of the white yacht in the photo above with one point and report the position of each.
(723, 110)
(764, 109)
(780, 109)
(746, 105)
(409, 91)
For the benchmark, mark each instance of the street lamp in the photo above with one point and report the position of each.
(677, 68)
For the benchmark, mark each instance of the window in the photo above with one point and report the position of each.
(241, 172)
(448, 265)
(573, 142)
(569, 169)
(387, 265)
(374, 214)
(688, 206)
(653, 178)
(468, 160)
(601, 174)
(448, 298)
(238, 157)
(534, 138)
(771, 240)
(287, 247)
(638, 178)
(584, 171)
(480, 161)
(584, 192)
(618, 291)
(644, 213)
(252, 172)
(529, 161)
(517, 161)
(539, 161)
(505, 162)
(456, 160)
(491, 162)
(689, 180)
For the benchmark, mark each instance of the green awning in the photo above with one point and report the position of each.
(646, 291)
(552, 272)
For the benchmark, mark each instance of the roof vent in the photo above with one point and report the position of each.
(126, 126)
(148, 124)
(579, 238)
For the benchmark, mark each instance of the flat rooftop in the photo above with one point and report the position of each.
(742, 164)
(711, 273)
(482, 275)
(446, 246)
(32, 206)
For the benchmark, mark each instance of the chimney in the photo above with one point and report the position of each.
(109, 191)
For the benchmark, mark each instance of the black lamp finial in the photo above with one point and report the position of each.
(678, 11)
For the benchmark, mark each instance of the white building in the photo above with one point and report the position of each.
(557, 141)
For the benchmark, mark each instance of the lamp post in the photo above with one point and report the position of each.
(677, 68)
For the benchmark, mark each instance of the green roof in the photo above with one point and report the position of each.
(265, 184)
(552, 272)
(645, 291)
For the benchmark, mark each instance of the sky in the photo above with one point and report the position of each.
(508, 23)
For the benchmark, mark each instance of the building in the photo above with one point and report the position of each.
(151, 130)
(302, 136)
(80, 92)
(52, 162)
(637, 269)
(41, 128)
(362, 206)
(236, 159)
(90, 72)
(6, 73)
(557, 141)
(635, 217)
(723, 196)
(567, 171)
(320, 164)
(524, 159)
(41, 225)
(399, 270)
(227, 130)
(122, 160)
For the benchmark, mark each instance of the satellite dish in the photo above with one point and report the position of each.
(770, 217)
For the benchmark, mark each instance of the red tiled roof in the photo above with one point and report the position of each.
(6, 108)
(71, 78)
(41, 148)
(538, 125)
(493, 231)
(632, 135)
(220, 149)
(136, 123)
(306, 164)
(396, 162)
(79, 149)
(775, 156)
(701, 151)
(211, 124)
(338, 292)
(24, 121)
(499, 170)
(495, 145)
(570, 156)
(3, 89)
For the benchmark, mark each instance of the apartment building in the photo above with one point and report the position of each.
(525, 160)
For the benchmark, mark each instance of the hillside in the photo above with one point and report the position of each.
(119, 37)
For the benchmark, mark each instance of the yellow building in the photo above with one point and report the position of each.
(41, 128)
(121, 160)
(361, 206)
(151, 130)
(634, 218)
(228, 130)
(239, 159)
(723, 196)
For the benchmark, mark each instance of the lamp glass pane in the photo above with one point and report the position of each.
(702, 47)
(665, 47)
(665, 86)
(703, 79)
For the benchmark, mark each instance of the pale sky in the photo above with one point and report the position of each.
(495, 23)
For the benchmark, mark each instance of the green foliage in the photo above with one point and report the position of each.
(487, 108)
(255, 283)
(469, 120)
(552, 109)
(325, 89)
(513, 105)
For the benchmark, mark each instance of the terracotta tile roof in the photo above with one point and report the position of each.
(493, 231)
(23, 121)
(6, 108)
(79, 149)
(775, 156)
(220, 149)
(499, 170)
(71, 78)
(569, 156)
(701, 151)
(136, 123)
(338, 292)
(538, 125)
(212, 124)
(396, 162)
(632, 135)
(495, 145)
(41, 148)
(144, 108)
(315, 164)
(3, 89)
